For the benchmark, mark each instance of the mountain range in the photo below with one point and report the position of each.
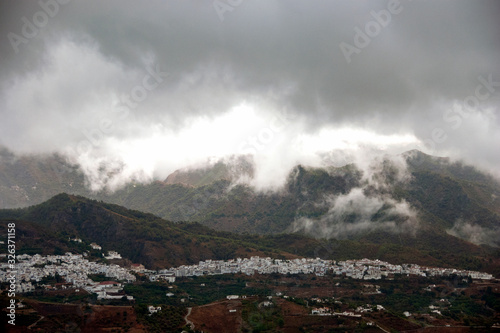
(49, 228)
(409, 208)
(401, 194)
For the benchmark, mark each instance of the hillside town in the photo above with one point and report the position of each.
(365, 269)
(75, 269)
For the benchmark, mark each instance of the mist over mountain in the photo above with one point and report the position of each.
(33, 178)
(233, 169)
(179, 131)
(140, 237)
(407, 194)
(133, 93)
(265, 117)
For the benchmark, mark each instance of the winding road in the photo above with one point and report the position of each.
(189, 322)
(36, 322)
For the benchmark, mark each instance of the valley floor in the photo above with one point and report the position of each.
(275, 303)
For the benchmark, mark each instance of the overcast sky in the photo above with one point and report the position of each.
(149, 87)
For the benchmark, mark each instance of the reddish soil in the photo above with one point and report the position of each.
(47, 309)
(93, 319)
(391, 322)
(215, 317)
(104, 316)
(290, 308)
(321, 324)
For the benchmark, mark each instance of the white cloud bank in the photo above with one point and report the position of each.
(134, 91)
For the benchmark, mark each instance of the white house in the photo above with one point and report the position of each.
(95, 246)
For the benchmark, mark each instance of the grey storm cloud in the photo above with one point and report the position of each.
(423, 68)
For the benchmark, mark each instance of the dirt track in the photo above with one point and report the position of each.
(189, 322)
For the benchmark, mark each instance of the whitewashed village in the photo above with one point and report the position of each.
(357, 269)
(76, 268)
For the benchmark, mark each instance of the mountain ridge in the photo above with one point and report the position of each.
(145, 238)
(452, 197)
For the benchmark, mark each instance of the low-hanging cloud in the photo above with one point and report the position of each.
(475, 234)
(134, 91)
(367, 208)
